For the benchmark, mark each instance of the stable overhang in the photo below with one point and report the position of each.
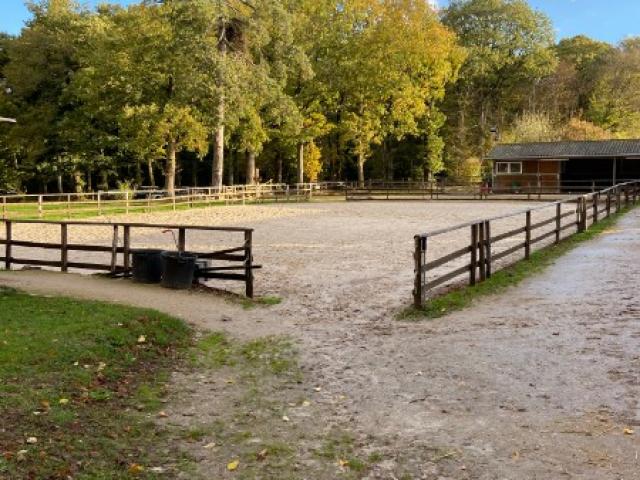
(566, 150)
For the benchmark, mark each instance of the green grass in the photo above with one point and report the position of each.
(501, 280)
(266, 301)
(78, 377)
(273, 355)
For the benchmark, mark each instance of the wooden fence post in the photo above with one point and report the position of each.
(419, 257)
(248, 262)
(4, 208)
(626, 195)
(482, 259)
(7, 247)
(474, 254)
(126, 243)
(40, 207)
(487, 243)
(608, 203)
(114, 250)
(182, 240)
(596, 202)
(64, 252)
(618, 199)
(99, 203)
(68, 205)
(558, 221)
(126, 199)
(527, 236)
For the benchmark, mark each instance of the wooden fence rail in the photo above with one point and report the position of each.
(239, 259)
(68, 205)
(585, 210)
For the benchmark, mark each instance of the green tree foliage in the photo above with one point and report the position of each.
(509, 51)
(299, 90)
(615, 100)
(532, 127)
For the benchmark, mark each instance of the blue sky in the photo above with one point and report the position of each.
(609, 20)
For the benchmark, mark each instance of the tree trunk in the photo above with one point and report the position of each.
(89, 181)
(194, 173)
(78, 182)
(279, 175)
(218, 153)
(251, 168)
(231, 170)
(170, 172)
(138, 174)
(152, 177)
(361, 160)
(104, 180)
(60, 187)
(301, 163)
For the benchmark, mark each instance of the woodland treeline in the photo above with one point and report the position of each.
(206, 92)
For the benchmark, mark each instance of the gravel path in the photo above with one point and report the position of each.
(538, 383)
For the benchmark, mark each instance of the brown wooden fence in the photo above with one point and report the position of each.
(237, 262)
(486, 251)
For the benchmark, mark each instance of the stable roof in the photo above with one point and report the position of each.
(566, 150)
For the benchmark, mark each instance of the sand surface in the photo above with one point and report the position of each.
(538, 383)
(325, 260)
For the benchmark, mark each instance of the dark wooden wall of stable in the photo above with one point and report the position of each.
(536, 174)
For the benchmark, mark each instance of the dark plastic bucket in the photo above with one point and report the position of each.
(178, 270)
(147, 265)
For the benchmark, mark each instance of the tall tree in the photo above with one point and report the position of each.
(509, 51)
(384, 65)
(41, 65)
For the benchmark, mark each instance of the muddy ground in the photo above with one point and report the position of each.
(538, 383)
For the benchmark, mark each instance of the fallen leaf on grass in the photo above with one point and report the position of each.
(63, 401)
(262, 454)
(135, 469)
(628, 431)
(285, 418)
(32, 440)
(343, 463)
(210, 445)
(142, 339)
(231, 466)
(162, 414)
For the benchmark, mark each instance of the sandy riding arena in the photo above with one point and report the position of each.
(327, 261)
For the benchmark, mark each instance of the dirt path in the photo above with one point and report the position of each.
(538, 383)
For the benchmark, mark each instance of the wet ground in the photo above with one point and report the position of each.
(541, 382)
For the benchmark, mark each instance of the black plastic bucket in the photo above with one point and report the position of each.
(147, 265)
(178, 270)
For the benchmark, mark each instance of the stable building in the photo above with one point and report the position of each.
(550, 167)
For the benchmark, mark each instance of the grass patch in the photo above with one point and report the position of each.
(267, 301)
(501, 280)
(75, 379)
(273, 355)
(339, 447)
